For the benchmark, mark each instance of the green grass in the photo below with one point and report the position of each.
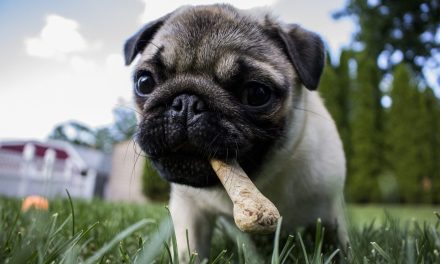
(361, 215)
(104, 232)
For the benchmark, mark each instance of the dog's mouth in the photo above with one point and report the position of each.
(182, 155)
(186, 164)
(188, 151)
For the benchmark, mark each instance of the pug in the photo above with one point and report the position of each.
(218, 82)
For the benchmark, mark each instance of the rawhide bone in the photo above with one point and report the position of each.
(253, 212)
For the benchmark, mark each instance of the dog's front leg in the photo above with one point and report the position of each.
(188, 216)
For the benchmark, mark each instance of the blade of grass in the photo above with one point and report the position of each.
(246, 255)
(140, 242)
(410, 254)
(306, 257)
(12, 228)
(276, 246)
(239, 237)
(64, 247)
(288, 247)
(330, 258)
(124, 253)
(71, 256)
(173, 238)
(240, 252)
(319, 236)
(193, 258)
(73, 212)
(154, 246)
(168, 250)
(381, 252)
(219, 257)
(128, 231)
(187, 243)
(365, 260)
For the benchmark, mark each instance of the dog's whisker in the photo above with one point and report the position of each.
(314, 113)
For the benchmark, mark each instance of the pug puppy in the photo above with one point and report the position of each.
(218, 82)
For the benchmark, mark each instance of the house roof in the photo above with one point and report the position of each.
(83, 157)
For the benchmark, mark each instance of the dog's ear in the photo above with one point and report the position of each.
(305, 51)
(137, 43)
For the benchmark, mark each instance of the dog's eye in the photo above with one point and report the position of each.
(145, 84)
(255, 94)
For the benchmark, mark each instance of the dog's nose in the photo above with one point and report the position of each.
(189, 105)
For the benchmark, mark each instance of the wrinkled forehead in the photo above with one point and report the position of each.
(209, 38)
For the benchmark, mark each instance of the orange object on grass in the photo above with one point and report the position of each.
(36, 202)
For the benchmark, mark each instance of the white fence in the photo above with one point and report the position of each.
(23, 175)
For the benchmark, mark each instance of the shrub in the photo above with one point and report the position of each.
(153, 186)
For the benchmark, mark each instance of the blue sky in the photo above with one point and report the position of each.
(62, 60)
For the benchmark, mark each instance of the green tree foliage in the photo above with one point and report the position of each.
(390, 26)
(328, 88)
(433, 111)
(399, 162)
(335, 88)
(366, 131)
(102, 138)
(343, 98)
(391, 32)
(153, 186)
(125, 124)
(412, 137)
(402, 154)
(75, 133)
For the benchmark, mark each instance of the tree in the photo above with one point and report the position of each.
(101, 138)
(366, 131)
(401, 153)
(328, 88)
(104, 139)
(335, 88)
(430, 105)
(125, 124)
(392, 27)
(343, 99)
(75, 133)
(392, 32)
(411, 138)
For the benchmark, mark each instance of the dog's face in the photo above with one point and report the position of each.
(214, 82)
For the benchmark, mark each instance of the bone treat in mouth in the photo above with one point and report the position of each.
(253, 212)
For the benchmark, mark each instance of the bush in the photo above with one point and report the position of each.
(153, 186)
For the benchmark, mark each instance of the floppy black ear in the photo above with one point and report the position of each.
(306, 52)
(137, 43)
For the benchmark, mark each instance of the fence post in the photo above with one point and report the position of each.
(27, 168)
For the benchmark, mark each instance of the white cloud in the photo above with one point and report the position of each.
(82, 88)
(82, 65)
(156, 9)
(58, 38)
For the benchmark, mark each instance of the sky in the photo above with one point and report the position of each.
(62, 60)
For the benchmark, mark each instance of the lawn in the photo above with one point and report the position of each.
(361, 215)
(104, 232)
